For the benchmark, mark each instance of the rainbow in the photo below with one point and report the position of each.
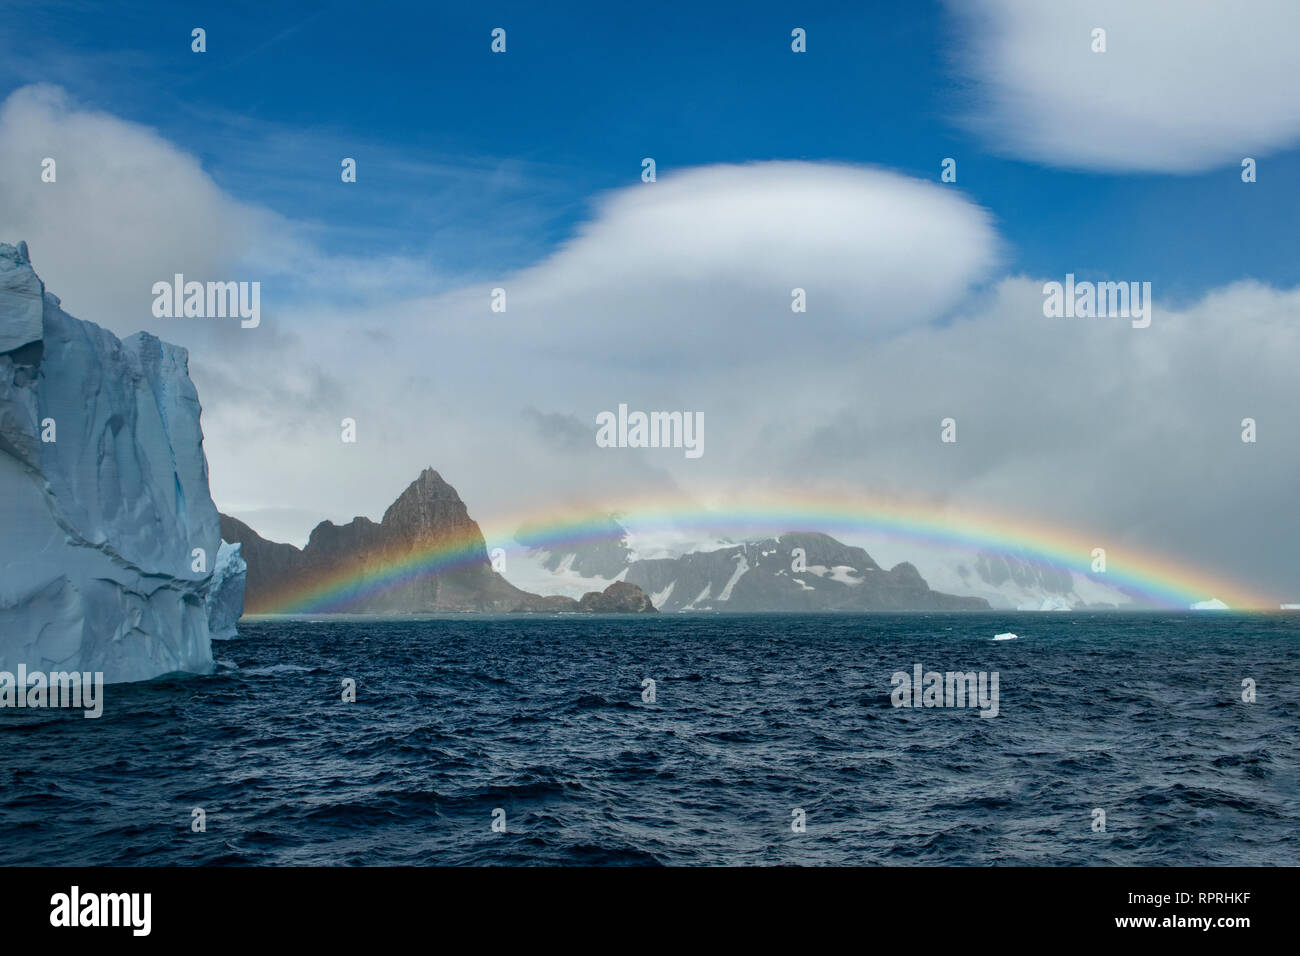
(1148, 577)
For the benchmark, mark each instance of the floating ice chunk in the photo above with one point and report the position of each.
(226, 592)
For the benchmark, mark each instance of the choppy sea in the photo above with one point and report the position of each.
(770, 739)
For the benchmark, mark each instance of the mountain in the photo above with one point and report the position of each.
(801, 571)
(270, 565)
(794, 572)
(110, 536)
(426, 534)
(1025, 582)
(804, 571)
(602, 552)
(427, 529)
(619, 598)
(606, 551)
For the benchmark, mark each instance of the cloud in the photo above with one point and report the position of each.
(668, 296)
(675, 295)
(710, 258)
(1181, 87)
(1132, 435)
(127, 207)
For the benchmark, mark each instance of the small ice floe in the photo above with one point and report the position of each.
(1008, 636)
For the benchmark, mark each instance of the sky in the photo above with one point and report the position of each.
(819, 170)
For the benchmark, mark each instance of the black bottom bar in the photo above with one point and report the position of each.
(336, 905)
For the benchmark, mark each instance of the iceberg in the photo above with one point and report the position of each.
(108, 533)
(226, 592)
(1213, 604)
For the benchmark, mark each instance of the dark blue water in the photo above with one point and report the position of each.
(1138, 715)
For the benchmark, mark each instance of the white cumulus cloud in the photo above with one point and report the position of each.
(1182, 87)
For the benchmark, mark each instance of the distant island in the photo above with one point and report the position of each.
(427, 555)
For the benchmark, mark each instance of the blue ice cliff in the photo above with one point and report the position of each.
(109, 538)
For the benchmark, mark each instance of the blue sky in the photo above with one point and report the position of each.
(480, 162)
(775, 170)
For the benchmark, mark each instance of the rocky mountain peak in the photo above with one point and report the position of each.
(428, 521)
(429, 507)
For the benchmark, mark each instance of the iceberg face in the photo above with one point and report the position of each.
(21, 301)
(108, 533)
(226, 592)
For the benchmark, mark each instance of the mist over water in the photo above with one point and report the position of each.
(1140, 715)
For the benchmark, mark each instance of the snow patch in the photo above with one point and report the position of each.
(702, 596)
(844, 574)
(742, 566)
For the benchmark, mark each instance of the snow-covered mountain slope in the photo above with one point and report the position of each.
(109, 534)
(683, 574)
(792, 572)
(799, 571)
(1018, 581)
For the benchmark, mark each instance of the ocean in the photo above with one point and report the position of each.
(771, 739)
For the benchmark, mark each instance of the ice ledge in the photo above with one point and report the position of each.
(21, 298)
